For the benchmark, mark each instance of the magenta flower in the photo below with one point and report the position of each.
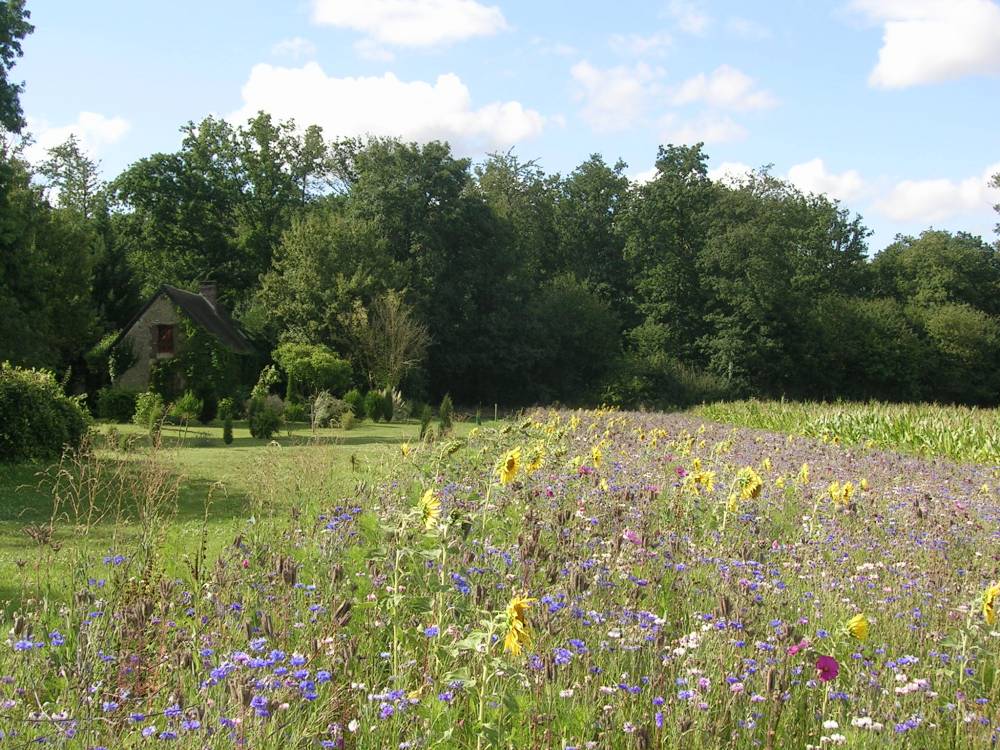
(800, 646)
(827, 668)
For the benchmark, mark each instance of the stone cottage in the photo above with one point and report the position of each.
(155, 335)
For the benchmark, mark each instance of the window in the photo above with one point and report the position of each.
(164, 339)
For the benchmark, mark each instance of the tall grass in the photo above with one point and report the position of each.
(956, 432)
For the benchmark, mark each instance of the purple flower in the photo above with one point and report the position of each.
(827, 668)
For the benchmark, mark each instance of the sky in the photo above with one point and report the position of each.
(890, 106)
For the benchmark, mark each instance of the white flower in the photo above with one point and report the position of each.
(830, 724)
(352, 725)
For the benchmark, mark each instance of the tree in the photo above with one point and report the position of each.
(73, 176)
(14, 27)
(578, 337)
(388, 340)
(940, 268)
(312, 367)
(326, 263)
(666, 228)
(591, 203)
(181, 212)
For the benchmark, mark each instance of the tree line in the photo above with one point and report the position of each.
(531, 287)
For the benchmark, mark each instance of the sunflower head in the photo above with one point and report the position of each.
(990, 597)
(430, 510)
(518, 634)
(857, 626)
(509, 465)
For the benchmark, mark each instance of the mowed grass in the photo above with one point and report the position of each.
(956, 432)
(54, 518)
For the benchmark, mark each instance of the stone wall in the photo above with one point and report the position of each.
(161, 312)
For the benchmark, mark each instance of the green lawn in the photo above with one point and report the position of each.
(217, 487)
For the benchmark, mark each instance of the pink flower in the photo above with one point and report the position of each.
(681, 472)
(736, 687)
(800, 646)
(827, 668)
(630, 535)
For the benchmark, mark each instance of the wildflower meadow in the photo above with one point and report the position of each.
(562, 580)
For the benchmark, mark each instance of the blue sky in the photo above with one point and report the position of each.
(892, 106)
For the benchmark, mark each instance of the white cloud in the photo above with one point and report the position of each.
(641, 178)
(369, 49)
(94, 131)
(746, 28)
(411, 23)
(689, 16)
(707, 128)
(614, 98)
(725, 87)
(547, 47)
(926, 41)
(385, 105)
(295, 47)
(936, 200)
(638, 45)
(813, 177)
(730, 172)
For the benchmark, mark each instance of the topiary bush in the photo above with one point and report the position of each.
(116, 404)
(37, 420)
(388, 406)
(264, 415)
(445, 413)
(227, 430)
(426, 416)
(374, 405)
(356, 401)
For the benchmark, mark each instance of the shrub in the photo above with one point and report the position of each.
(227, 431)
(348, 421)
(37, 420)
(426, 416)
(445, 413)
(226, 409)
(388, 406)
(312, 367)
(116, 404)
(356, 401)
(295, 413)
(327, 410)
(149, 410)
(187, 407)
(264, 416)
(373, 405)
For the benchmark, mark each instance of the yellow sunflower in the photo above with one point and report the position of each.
(430, 510)
(509, 466)
(518, 631)
(857, 626)
(989, 603)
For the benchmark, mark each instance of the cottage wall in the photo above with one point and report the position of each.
(161, 312)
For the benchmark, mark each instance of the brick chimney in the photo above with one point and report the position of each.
(208, 291)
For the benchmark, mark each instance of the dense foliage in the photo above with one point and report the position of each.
(495, 281)
(37, 420)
